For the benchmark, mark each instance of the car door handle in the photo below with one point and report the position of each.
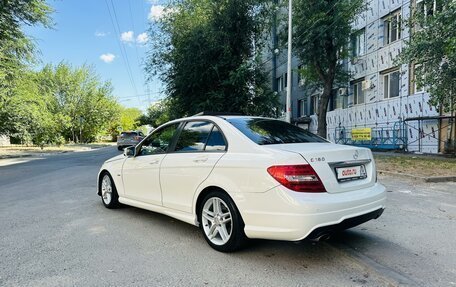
(201, 159)
(154, 161)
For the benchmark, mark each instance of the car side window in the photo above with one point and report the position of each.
(159, 141)
(216, 142)
(193, 136)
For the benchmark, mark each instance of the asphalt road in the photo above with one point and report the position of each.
(54, 231)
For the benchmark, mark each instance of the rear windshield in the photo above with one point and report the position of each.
(268, 131)
(128, 134)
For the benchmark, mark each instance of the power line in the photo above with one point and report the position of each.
(122, 49)
(142, 95)
(123, 46)
(134, 29)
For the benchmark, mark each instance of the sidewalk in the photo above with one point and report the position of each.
(14, 152)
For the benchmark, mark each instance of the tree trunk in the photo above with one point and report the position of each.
(323, 108)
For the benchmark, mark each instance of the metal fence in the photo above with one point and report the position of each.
(382, 138)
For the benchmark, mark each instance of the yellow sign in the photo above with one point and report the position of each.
(362, 134)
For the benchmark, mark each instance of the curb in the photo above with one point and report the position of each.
(15, 156)
(47, 153)
(440, 179)
(421, 178)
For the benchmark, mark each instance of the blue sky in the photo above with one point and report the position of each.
(88, 32)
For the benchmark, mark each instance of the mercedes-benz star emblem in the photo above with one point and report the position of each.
(356, 154)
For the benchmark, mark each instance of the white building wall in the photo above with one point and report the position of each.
(4, 140)
(378, 112)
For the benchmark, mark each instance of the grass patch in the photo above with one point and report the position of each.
(419, 166)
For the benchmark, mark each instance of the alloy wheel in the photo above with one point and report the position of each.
(106, 189)
(217, 221)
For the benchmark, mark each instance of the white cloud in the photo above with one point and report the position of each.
(107, 58)
(156, 12)
(101, 34)
(127, 37)
(142, 38)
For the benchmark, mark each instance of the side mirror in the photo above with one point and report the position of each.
(129, 151)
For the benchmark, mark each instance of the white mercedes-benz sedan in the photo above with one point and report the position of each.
(239, 177)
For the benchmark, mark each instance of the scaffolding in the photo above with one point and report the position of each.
(382, 138)
(446, 138)
(397, 138)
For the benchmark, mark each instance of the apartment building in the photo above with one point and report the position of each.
(381, 107)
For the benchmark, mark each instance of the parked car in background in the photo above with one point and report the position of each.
(129, 138)
(239, 177)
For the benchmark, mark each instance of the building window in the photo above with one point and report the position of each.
(391, 84)
(428, 7)
(301, 108)
(340, 99)
(358, 43)
(358, 93)
(313, 105)
(392, 27)
(279, 84)
(417, 88)
(282, 82)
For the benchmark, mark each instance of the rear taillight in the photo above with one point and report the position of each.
(301, 178)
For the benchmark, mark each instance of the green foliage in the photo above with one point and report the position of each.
(83, 100)
(29, 115)
(158, 114)
(204, 52)
(126, 119)
(321, 30)
(57, 104)
(21, 113)
(16, 48)
(15, 13)
(434, 47)
(130, 118)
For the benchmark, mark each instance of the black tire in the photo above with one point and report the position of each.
(119, 147)
(113, 201)
(237, 238)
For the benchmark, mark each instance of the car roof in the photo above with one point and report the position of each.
(213, 117)
(224, 115)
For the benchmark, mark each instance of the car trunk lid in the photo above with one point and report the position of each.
(341, 168)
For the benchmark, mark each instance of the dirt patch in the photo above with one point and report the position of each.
(417, 166)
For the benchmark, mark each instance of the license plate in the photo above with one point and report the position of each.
(351, 172)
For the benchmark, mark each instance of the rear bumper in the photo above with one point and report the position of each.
(328, 230)
(282, 214)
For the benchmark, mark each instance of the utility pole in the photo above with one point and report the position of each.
(290, 35)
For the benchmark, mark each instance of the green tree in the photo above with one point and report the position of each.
(30, 113)
(158, 114)
(205, 52)
(16, 49)
(85, 103)
(127, 119)
(321, 33)
(432, 48)
(130, 118)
